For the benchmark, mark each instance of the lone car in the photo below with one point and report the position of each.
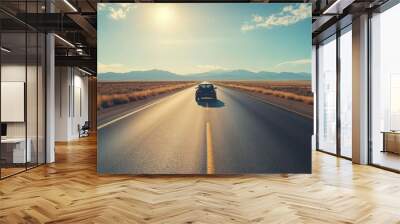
(205, 90)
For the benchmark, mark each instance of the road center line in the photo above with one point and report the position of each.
(210, 152)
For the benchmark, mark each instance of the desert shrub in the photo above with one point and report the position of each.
(291, 90)
(117, 93)
(119, 99)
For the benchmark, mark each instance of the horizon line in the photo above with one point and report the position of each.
(186, 74)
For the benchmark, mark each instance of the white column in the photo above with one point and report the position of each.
(360, 90)
(50, 100)
(50, 92)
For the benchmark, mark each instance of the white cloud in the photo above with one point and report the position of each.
(117, 14)
(125, 5)
(289, 15)
(257, 18)
(247, 27)
(287, 8)
(101, 6)
(300, 65)
(116, 11)
(295, 62)
(120, 68)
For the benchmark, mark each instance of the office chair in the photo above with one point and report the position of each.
(84, 130)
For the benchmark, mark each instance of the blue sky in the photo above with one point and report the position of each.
(191, 38)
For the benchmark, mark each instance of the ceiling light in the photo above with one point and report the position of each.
(337, 7)
(79, 51)
(64, 40)
(70, 5)
(333, 6)
(5, 50)
(86, 72)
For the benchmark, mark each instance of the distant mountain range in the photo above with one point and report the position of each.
(160, 75)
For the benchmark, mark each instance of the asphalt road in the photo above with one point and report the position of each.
(238, 133)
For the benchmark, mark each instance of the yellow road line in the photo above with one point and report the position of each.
(210, 152)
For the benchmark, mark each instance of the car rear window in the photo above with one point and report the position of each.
(206, 86)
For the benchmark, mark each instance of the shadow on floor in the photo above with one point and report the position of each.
(213, 103)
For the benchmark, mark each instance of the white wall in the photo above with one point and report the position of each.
(71, 94)
(80, 109)
(12, 73)
(62, 81)
(13, 101)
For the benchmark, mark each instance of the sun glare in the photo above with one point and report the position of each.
(164, 16)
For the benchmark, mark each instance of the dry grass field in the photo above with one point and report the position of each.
(110, 94)
(292, 90)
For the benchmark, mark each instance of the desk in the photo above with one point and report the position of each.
(391, 141)
(18, 150)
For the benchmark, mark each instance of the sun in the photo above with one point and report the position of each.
(164, 16)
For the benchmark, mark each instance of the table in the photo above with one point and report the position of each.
(391, 141)
(17, 149)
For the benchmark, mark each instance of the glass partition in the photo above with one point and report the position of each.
(327, 95)
(31, 98)
(385, 89)
(346, 93)
(14, 153)
(22, 101)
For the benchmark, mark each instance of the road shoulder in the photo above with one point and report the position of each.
(297, 107)
(113, 113)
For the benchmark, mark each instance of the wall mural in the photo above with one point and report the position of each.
(204, 88)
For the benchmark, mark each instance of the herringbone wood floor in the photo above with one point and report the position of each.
(70, 191)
